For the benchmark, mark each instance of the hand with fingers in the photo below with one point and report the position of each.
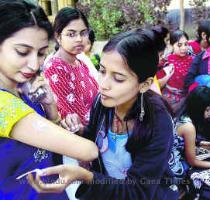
(169, 70)
(41, 89)
(72, 123)
(67, 175)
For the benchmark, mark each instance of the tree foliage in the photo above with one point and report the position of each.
(110, 17)
(200, 10)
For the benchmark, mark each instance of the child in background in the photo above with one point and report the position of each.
(73, 86)
(69, 74)
(163, 34)
(171, 77)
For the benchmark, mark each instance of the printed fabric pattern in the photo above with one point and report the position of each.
(74, 88)
(174, 89)
(12, 109)
(200, 178)
(19, 158)
(177, 162)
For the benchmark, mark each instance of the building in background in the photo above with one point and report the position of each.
(175, 4)
(51, 7)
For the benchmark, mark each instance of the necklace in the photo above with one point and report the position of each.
(119, 125)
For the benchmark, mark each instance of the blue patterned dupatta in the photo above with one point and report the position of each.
(18, 158)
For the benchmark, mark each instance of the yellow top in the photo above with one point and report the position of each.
(12, 109)
(156, 86)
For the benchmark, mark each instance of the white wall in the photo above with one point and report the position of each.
(175, 4)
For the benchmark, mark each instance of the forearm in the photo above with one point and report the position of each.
(39, 132)
(201, 164)
(163, 81)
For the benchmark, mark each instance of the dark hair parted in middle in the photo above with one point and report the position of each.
(139, 49)
(16, 15)
(65, 16)
(176, 35)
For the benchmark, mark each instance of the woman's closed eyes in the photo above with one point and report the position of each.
(116, 76)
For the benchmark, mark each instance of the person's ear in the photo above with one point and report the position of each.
(57, 37)
(146, 85)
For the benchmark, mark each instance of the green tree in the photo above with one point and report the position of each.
(110, 17)
(200, 10)
(104, 17)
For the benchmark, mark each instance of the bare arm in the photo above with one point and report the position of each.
(188, 132)
(163, 81)
(37, 131)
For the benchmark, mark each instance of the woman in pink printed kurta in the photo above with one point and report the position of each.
(172, 76)
(174, 89)
(73, 87)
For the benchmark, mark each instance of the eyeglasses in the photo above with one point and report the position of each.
(74, 34)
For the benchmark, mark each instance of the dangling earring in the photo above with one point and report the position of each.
(141, 116)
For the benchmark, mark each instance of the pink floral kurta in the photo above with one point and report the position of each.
(73, 87)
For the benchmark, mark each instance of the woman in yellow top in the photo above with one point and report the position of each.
(24, 132)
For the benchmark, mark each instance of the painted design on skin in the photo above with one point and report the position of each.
(39, 125)
(40, 154)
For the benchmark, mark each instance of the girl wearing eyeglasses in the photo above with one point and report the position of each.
(70, 80)
(73, 86)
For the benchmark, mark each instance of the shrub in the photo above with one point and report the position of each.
(103, 16)
(110, 17)
(200, 10)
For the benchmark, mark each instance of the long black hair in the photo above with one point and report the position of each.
(139, 48)
(18, 14)
(64, 17)
(176, 35)
(196, 103)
